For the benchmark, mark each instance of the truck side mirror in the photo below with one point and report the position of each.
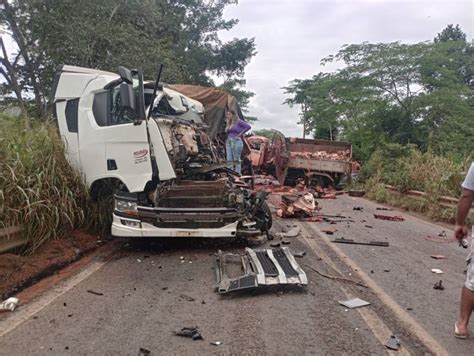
(125, 74)
(127, 97)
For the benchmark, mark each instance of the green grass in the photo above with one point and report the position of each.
(38, 188)
(406, 168)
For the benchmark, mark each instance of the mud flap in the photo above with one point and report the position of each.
(257, 268)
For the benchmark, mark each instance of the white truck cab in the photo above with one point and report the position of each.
(151, 141)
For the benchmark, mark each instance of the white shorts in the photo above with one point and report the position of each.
(470, 266)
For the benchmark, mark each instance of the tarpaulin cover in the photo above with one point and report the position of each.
(216, 103)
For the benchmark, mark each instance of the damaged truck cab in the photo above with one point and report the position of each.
(151, 142)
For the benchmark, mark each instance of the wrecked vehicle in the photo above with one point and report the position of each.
(155, 147)
(262, 267)
(289, 159)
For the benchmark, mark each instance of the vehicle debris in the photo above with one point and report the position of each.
(311, 219)
(437, 271)
(261, 267)
(187, 298)
(369, 226)
(383, 208)
(329, 230)
(343, 240)
(274, 244)
(299, 254)
(216, 343)
(336, 278)
(295, 205)
(389, 218)
(439, 285)
(284, 242)
(393, 343)
(359, 208)
(293, 232)
(192, 332)
(94, 292)
(354, 303)
(439, 238)
(438, 257)
(9, 304)
(143, 352)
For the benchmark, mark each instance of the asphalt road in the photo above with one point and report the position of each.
(149, 290)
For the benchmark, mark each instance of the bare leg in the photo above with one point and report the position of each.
(467, 306)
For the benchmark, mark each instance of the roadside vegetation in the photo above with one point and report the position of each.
(408, 111)
(39, 190)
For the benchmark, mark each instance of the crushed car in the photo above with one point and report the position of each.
(159, 150)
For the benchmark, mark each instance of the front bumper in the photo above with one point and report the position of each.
(122, 227)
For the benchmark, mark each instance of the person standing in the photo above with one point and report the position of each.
(460, 233)
(235, 129)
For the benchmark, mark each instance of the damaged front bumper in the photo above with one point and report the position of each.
(262, 267)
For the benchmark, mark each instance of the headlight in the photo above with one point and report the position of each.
(126, 206)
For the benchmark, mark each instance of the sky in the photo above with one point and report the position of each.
(292, 36)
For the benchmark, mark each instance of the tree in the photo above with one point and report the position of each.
(268, 133)
(233, 86)
(181, 34)
(450, 33)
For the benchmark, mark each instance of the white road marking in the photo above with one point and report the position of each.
(377, 326)
(25, 312)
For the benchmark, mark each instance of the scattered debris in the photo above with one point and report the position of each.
(393, 343)
(337, 278)
(439, 238)
(296, 205)
(311, 219)
(354, 303)
(359, 208)
(384, 208)
(369, 226)
(192, 332)
(442, 234)
(284, 242)
(9, 304)
(260, 267)
(437, 271)
(464, 243)
(187, 298)
(299, 254)
(390, 218)
(143, 352)
(439, 285)
(386, 270)
(94, 292)
(343, 240)
(293, 232)
(216, 343)
(438, 257)
(329, 230)
(275, 244)
(356, 193)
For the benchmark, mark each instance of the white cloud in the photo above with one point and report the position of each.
(293, 36)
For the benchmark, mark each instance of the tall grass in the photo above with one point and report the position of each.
(407, 168)
(38, 188)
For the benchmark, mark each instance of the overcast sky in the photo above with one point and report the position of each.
(292, 36)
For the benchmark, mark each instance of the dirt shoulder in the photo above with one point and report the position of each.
(18, 272)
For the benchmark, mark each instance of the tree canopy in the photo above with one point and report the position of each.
(394, 93)
(181, 34)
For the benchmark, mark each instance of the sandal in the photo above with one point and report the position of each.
(457, 334)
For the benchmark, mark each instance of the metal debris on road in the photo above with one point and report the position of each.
(187, 298)
(329, 230)
(293, 232)
(9, 304)
(369, 226)
(438, 257)
(216, 343)
(360, 284)
(284, 242)
(143, 352)
(275, 244)
(343, 240)
(296, 205)
(437, 271)
(393, 343)
(192, 332)
(311, 219)
(384, 208)
(354, 303)
(389, 218)
(359, 208)
(439, 285)
(260, 267)
(299, 254)
(94, 292)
